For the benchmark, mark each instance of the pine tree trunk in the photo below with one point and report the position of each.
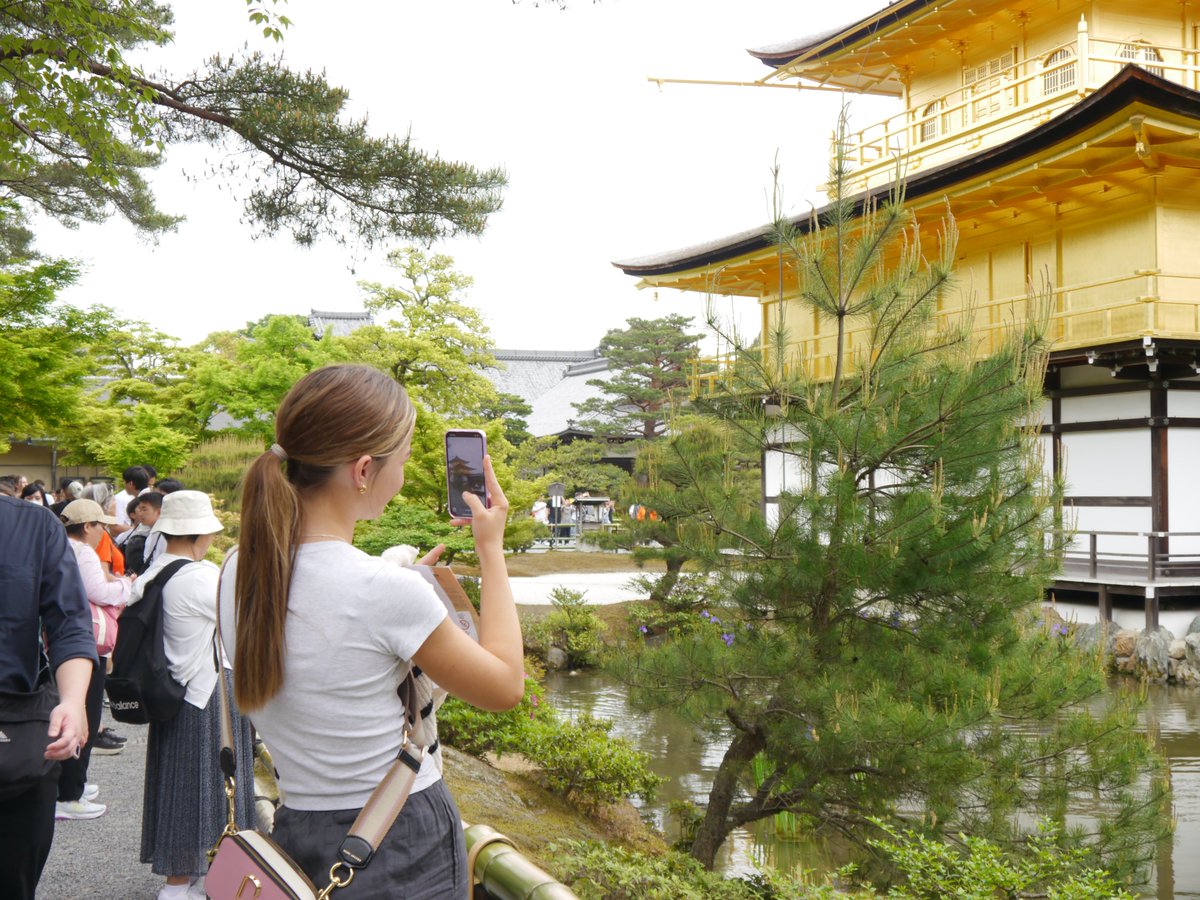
(666, 584)
(715, 826)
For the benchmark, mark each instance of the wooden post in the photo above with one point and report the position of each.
(1092, 538)
(1105, 604)
(1151, 608)
(1151, 567)
(1081, 54)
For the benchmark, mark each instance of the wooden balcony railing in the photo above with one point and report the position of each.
(1026, 93)
(1102, 311)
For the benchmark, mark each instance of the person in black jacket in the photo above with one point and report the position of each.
(40, 593)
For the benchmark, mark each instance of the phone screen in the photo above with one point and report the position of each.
(464, 469)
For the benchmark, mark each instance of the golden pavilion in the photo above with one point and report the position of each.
(1064, 135)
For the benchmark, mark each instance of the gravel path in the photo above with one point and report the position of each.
(99, 857)
(598, 588)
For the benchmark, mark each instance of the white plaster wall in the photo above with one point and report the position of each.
(1183, 486)
(1104, 407)
(1107, 463)
(1183, 403)
(782, 472)
(772, 515)
(1111, 518)
(1046, 442)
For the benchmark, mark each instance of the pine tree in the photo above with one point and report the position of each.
(649, 359)
(875, 646)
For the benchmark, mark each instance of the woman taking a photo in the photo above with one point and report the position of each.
(322, 634)
(184, 807)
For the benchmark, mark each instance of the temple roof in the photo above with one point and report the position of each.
(823, 43)
(1132, 85)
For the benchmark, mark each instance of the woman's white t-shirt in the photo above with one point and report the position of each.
(354, 621)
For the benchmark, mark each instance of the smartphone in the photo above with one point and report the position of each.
(465, 449)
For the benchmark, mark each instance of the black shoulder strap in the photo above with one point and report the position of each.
(163, 575)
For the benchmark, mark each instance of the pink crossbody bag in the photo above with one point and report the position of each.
(247, 865)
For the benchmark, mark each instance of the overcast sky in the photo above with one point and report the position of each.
(602, 164)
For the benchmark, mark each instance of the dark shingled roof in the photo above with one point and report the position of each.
(778, 55)
(1131, 85)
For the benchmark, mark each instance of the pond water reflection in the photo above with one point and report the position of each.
(688, 756)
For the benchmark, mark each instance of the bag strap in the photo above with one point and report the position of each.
(382, 807)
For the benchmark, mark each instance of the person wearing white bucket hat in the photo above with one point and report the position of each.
(180, 761)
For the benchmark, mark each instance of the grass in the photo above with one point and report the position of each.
(557, 562)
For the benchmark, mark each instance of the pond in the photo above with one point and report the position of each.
(688, 758)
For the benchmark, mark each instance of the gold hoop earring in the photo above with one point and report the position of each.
(362, 488)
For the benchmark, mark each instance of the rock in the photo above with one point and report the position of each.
(1152, 654)
(1178, 649)
(1051, 617)
(1088, 638)
(1192, 642)
(1124, 642)
(1124, 664)
(1193, 628)
(556, 658)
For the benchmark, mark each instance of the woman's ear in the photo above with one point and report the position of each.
(358, 469)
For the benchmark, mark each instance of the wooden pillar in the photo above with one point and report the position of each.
(1105, 602)
(1151, 608)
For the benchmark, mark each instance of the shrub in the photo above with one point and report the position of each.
(407, 523)
(596, 871)
(573, 625)
(477, 731)
(216, 467)
(521, 532)
(582, 760)
(1041, 868)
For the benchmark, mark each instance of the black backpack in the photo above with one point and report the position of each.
(140, 688)
(135, 554)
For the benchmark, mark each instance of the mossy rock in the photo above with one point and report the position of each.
(516, 805)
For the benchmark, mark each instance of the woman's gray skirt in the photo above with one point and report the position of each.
(423, 857)
(184, 808)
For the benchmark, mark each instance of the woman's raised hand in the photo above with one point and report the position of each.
(487, 522)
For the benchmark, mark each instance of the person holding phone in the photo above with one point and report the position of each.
(321, 634)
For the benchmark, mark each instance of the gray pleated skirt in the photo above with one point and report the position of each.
(184, 808)
(423, 857)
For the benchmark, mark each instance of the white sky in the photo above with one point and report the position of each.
(602, 165)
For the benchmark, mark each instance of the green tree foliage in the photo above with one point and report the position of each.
(141, 436)
(246, 374)
(875, 641)
(86, 122)
(672, 477)
(436, 345)
(405, 522)
(576, 464)
(43, 350)
(650, 359)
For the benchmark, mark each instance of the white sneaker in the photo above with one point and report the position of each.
(91, 791)
(196, 890)
(79, 809)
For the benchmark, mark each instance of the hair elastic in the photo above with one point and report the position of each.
(278, 451)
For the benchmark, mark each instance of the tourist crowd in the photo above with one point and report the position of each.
(335, 655)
